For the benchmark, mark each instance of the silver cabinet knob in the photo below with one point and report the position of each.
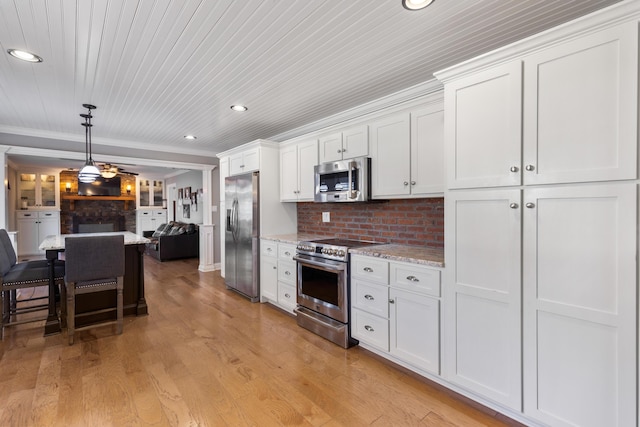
(369, 328)
(275, 268)
(514, 206)
(413, 279)
(413, 183)
(392, 301)
(369, 297)
(530, 205)
(368, 269)
(339, 151)
(269, 249)
(287, 296)
(406, 183)
(287, 253)
(344, 150)
(514, 169)
(288, 273)
(529, 168)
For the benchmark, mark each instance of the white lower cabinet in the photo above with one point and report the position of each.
(150, 219)
(403, 324)
(541, 301)
(278, 274)
(33, 227)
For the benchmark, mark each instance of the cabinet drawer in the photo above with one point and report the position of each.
(370, 269)
(26, 214)
(268, 248)
(287, 295)
(286, 252)
(160, 214)
(287, 271)
(370, 329)
(415, 278)
(48, 215)
(370, 297)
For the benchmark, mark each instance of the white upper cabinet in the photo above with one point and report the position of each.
(483, 128)
(427, 151)
(580, 109)
(245, 161)
(38, 190)
(407, 153)
(352, 142)
(296, 171)
(390, 156)
(577, 116)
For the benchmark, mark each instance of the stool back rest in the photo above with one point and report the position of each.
(6, 259)
(5, 242)
(94, 258)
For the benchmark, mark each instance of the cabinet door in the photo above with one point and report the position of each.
(49, 224)
(580, 298)
(145, 221)
(224, 172)
(483, 128)
(427, 152)
(289, 173)
(580, 109)
(28, 234)
(483, 291)
(287, 296)
(355, 142)
(415, 329)
(307, 159)
(251, 160)
(390, 156)
(330, 147)
(48, 190)
(269, 278)
(236, 164)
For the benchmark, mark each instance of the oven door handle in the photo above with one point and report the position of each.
(321, 265)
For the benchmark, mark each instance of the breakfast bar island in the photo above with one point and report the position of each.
(134, 300)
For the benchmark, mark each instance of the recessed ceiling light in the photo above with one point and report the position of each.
(190, 137)
(239, 108)
(24, 55)
(416, 4)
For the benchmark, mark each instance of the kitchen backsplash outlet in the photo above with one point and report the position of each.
(406, 222)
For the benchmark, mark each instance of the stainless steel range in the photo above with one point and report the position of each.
(323, 288)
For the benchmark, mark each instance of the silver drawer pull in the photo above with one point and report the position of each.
(275, 268)
(287, 253)
(413, 279)
(287, 296)
(369, 297)
(368, 328)
(269, 249)
(368, 269)
(288, 273)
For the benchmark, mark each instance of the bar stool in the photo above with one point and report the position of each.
(94, 264)
(22, 275)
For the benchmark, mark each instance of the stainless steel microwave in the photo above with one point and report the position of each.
(343, 181)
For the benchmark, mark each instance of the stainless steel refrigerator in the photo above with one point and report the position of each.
(242, 235)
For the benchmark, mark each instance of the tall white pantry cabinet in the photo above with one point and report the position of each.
(541, 234)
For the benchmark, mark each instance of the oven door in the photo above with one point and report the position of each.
(322, 286)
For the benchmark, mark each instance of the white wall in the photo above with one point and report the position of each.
(192, 179)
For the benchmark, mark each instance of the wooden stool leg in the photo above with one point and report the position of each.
(120, 304)
(71, 311)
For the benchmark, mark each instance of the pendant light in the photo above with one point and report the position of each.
(89, 171)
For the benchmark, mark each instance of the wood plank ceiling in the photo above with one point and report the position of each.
(158, 70)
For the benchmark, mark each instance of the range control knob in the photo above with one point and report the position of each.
(340, 253)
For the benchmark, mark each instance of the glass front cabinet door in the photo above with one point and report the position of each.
(37, 190)
(151, 193)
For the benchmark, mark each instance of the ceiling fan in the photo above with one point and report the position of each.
(109, 170)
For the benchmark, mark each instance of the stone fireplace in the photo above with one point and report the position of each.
(95, 214)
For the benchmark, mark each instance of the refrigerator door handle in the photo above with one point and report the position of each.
(235, 219)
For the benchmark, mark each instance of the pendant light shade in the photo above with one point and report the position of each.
(89, 171)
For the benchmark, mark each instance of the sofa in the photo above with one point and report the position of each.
(173, 240)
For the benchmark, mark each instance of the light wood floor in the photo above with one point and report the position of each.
(204, 356)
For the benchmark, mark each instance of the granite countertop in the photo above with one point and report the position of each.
(294, 238)
(56, 241)
(415, 254)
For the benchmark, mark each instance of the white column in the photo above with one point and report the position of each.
(207, 229)
(4, 213)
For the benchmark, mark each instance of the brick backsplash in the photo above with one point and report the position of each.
(407, 221)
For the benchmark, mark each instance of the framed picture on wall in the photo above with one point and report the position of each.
(187, 194)
(180, 195)
(186, 210)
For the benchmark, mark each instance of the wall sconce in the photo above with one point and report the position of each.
(128, 188)
(68, 187)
